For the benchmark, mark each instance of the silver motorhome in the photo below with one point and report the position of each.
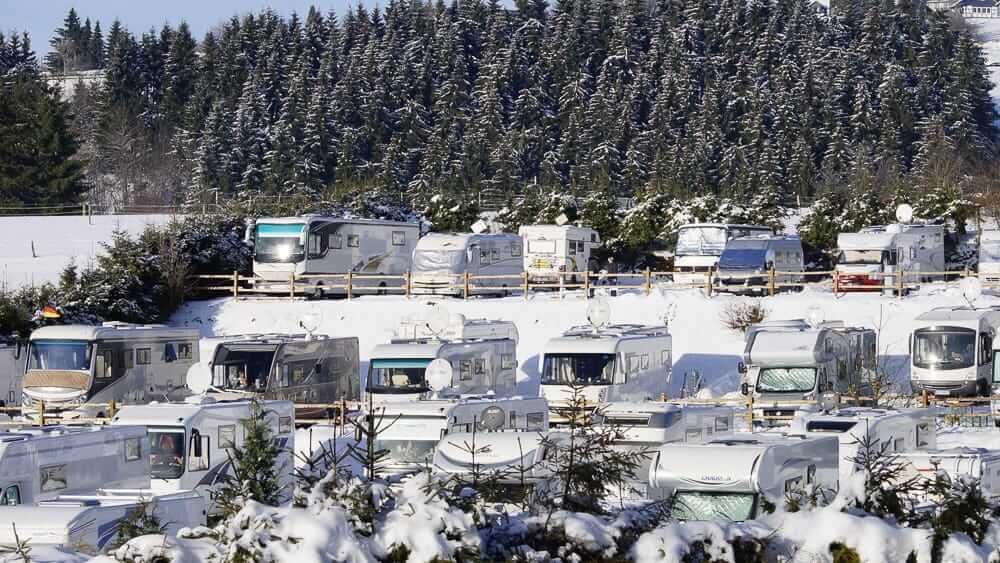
(70, 365)
(871, 256)
(951, 351)
(554, 253)
(699, 246)
(440, 260)
(314, 244)
(746, 261)
(979, 464)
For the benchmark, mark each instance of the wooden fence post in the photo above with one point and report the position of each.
(836, 282)
(586, 284)
(350, 284)
(750, 412)
(771, 281)
(708, 282)
(899, 282)
(112, 409)
(925, 399)
(236, 283)
(408, 281)
(291, 285)
(524, 285)
(465, 285)
(647, 285)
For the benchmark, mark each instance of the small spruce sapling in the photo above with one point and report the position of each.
(253, 475)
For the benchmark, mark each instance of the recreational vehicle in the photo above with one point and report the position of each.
(441, 260)
(951, 351)
(747, 260)
(869, 258)
(189, 441)
(890, 430)
(313, 244)
(622, 362)
(787, 362)
(296, 367)
(482, 354)
(90, 523)
(989, 256)
(41, 463)
(11, 372)
(556, 253)
(419, 426)
(72, 365)
(731, 478)
(699, 246)
(978, 464)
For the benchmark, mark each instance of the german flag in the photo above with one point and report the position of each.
(49, 312)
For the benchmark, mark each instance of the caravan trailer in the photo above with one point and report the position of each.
(979, 464)
(699, 246)
(747, 260)
(440, 260)
(731, 478)
(793, 361)
(313, 244)
(897, 431)
(72, 365)
(189, 441)
(989, 256)
(296, 367)
(622, 362)
(871, 256)
(554, 253)
(951, 351)
(11, 372)
(482, 353)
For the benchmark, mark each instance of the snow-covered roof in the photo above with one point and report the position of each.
(785, 348)
(879, 240)
(456, 241)
(960, 314)
(302, 219)
(111, 331)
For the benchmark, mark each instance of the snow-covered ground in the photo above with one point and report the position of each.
(988, 33)
(35, 250)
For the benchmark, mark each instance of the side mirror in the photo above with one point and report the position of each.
(17, 350)
(470, 254)
(741, 367)
(248, 233)
(745, 389)
(770, 265)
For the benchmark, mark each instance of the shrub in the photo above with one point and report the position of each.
(741, 315)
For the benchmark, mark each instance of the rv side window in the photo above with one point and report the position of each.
(198, 450)
(335, 242)
(284, 424)
(633, 361)
(793, 484)
(11, 496)
(898, 444)
(534, 421)
(515, 250)
(913, 253)
(645, 361)
(53, 478)
(103, 364)
(465, 370)
(811, 474)
(142, 356)
(665, 357)
(227, 436)
(133, 449)
(353, 241)
(494, 254)
(128, 359)
(572, 248)
(399, 238)
(314, 245)
(484, 256)
(184, 351)
(169, 352)
(506, 361)
(985, 349)
(722, 424)
(480, 366)
(692, 435)
(513, 419)
(922, 430)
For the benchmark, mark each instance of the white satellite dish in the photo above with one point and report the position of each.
(438, 320)
(311, 321)
(438, 375)
(598, 313)
(199, 378)
(815, 316)
(480, 227)
(972, 289)
(562, 219)
(904, 213)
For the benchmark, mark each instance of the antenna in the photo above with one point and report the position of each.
(199, 378)
(972, 290)
(310, 322)
(480, 227)
(438, 375)
(815, 316)
(904, 213)
(598, 313)
(438, 320)
(562, 219)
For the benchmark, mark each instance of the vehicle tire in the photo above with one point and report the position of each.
(982, 388)
(381, 289)
(318, 292)
(505, 291)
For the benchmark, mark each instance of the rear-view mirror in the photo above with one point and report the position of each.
(741, 367)
(196, 444)
(745, 389)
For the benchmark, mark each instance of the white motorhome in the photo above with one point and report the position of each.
(730, 478)
(746, 261)
(482, 353)
(418, 427)
(989, 256)
(440, 261)
(624, 362)
(89, 523)
(979, 464)
(699, 246)
(71, 365)
(555, 253)
(305, 369)
(313, 244)
(189, 441)
(890, 430)
(786, 362)
(871, 256)
(41, 463)
(11, 372)
(951, 351)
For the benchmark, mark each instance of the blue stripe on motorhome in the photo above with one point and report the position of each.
(106, 532)
(213, 474)
(280, 230)
(405, 363)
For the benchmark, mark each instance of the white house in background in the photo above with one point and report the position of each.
(67, 82)
(976, 9)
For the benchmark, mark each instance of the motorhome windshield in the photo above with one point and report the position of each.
(944, 348)
(166, 457)
(783, 380)
(397, 375)
(586, 369)
(408, 451)
(860, 257)
(701, 241)
(279, 243)
(989, 251)
(59, 355)
(242, 369)
(696, 505)
(742, 259)
(450, 260)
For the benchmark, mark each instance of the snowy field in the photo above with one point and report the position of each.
(35, 250)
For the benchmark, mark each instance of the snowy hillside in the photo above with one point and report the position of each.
(989, 35)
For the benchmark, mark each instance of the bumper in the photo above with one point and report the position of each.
(947, 388)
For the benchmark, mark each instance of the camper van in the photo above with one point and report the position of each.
(296, 367)
(871, 256)
(730, 478)
(482, 354)
(41, 463)
(72, 365)
(747, 260)
(555, 253)
(979, 464)
(313, 244)
(11, 372)
(418, 426)
(189, 441)
(794, 361)
(951, 351)
(624, 362)
(989, 256)
(897, 431)
(699, 246)
(440, 260)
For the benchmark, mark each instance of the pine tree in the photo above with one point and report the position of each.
(254, 465)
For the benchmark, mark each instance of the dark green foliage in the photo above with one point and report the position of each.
(139, 521)
(253, 474)
(888, 488)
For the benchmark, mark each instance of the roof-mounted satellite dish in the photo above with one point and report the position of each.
(199, 378)
(310, 322)
(972, 290)
(438, 320)
(562, 219)
(438, 375)
(904, 213)
(480, 227)
(492, 418)
(598, 313)
(815, 316)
